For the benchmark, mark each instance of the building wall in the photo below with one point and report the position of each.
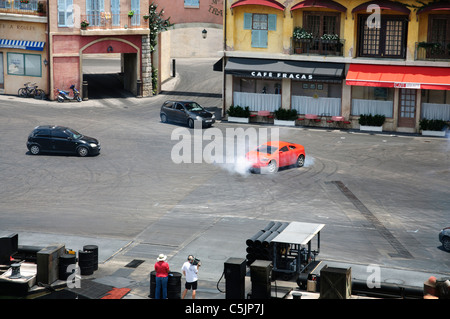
(280, 46)
(15, 27)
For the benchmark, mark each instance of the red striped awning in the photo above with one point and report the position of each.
(412, 77)
(438, 6)
(384, 5)
(329, 4)
(267, 3)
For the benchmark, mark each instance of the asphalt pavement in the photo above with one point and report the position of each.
(383, 197)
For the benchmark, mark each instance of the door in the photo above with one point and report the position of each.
(179, 113)
(62, 143)
(407, 108)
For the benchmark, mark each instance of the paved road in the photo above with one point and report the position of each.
(383, 197)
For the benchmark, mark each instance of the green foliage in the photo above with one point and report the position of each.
(154, 80)
(156, 24)
(301, 34)
(286, 115)
(432, 125)
(371, 120)
(238, 111)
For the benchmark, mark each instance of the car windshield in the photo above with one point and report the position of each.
(267, 149)
(74, 134)
(193, 107)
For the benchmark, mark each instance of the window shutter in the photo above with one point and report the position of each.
(259, 38)
(247, 21)
(272, 25)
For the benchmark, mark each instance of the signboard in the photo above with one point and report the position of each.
(407, 85)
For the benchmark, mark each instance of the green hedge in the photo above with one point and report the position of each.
(238, 111)
(371, 120)
(285, 114)
(432, 125)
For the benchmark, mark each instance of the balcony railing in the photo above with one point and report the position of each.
(318, 47)
(32, 7)
(107, 20)
(432, 51)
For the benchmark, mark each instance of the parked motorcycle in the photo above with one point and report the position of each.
(64, 95)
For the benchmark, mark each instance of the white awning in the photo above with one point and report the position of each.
(298, 233)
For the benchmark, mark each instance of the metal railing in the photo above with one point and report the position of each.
(432, 51)
(108, 20)
(318, 46)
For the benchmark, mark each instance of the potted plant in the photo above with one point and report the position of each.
(285, 117)
(433, 127)
(84, 24)
(301, 35)
(40, 8)
(238, 114)
(130, 14)
(369, 122)
(146, 17)
(329, 38)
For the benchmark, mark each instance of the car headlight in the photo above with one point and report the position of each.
(93, 144)
(199, 118)
(213, 116)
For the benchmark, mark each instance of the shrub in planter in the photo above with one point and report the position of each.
(371, 120)
(432, 125)
(286, 115)
(238, 111)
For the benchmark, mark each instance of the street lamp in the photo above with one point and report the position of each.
(204, 33)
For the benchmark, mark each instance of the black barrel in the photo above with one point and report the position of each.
(94, 250)
(86, 262)
(173, 285)
(65, 261)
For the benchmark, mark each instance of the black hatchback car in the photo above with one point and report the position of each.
(186, 112)
(61, 139)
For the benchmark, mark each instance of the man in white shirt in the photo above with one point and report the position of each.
(190, 271)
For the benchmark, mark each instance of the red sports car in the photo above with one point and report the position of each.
(272, 155)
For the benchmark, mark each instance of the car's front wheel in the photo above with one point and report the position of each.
(35, 149)
(272, 167)
(446, 243)
(191, 123)
(82, 151)
(300, 160)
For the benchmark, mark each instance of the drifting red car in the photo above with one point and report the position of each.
(272, 155)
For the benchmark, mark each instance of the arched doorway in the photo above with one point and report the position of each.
(111, 67)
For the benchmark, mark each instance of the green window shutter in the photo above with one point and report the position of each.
(259, 38)
(247, 21)
(272, 25)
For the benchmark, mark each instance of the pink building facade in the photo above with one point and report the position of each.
(83, 27)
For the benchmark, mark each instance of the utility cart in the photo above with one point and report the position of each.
(293, 250)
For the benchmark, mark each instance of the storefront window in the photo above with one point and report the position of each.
(436, 104)
(24, 64)
(257, 94)
(319, 98)
(372, 100)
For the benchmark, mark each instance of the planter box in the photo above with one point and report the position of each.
(238, 119)
(283, 122)
(371, 128)
(433, 133)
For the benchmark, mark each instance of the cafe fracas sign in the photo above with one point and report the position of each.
(281, 75)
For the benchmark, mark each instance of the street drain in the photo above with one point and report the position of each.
(134, 263)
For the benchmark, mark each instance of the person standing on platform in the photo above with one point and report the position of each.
(162, 276)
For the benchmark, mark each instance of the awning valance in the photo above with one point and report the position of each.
(285, 69)
(267, 3)
(410, 77)
(438, 6)
(22, 44)
(329, 4)
(384, 5)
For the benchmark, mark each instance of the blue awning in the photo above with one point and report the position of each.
(22, 44)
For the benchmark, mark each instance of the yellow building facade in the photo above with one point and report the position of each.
(339, 59)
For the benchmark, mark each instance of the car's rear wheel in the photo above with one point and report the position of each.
(300, 160)
(82, 151)
(35, 149)
(272, 167)
(446, 243)
(164, 118)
